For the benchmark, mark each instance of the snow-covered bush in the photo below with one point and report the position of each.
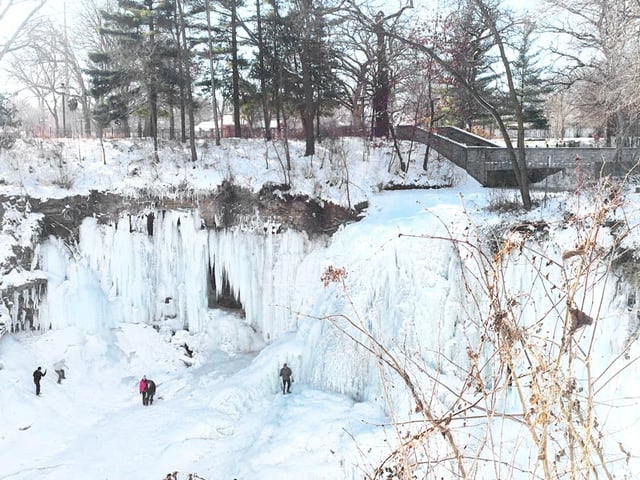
(8, 137)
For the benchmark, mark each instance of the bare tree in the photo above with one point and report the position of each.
(357, 65)
(598, 55)
(40, 68)
(500, 25)
(423, 93)
(382, 31)
(492, 15)
(15, 36)
(561, 112)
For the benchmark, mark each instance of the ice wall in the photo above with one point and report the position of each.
(419, 286)
(20, 306)
(427, 298)
(546, 280)
(75, 296)
(407, 292)
(423, 297)
(157, 268)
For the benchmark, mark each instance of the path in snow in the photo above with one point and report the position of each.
(215, 419)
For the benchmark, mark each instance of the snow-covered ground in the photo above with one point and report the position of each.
(214, 419)
(412, 279)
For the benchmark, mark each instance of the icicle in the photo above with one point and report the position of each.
(138, 271)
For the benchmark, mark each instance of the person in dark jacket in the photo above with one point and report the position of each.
(59, 368)
(285, 373)
(149, 392)
(37, 376)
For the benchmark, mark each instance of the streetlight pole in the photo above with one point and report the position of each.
(64, 113)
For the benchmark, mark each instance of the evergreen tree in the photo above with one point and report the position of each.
(529, 77)
(261, 72)
(8, 122)
(227, 39)
(115, 92)
(8, 112)
(129, 76)
(303, 62)
(219, 32)
(469, 42)
(185, 64)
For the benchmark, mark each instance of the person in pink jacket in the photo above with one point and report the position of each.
(142, 387)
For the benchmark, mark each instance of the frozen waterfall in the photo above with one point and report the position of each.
(165, 268)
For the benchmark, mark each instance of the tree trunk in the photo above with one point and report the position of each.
(214, 105)
(263, 89)
(307, 80)
(86, 115)
(184, 56)
(380, 101)
(172, 120)
(309, 135)
(282, 116)
(235, 70)
(425, 161)
(181, 79)
(152, 87)
(153, 118)
(518, 159)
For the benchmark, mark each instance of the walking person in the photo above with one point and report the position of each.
(285, 373)
(37, 376)
(149, 392)
(142, 387)
(59, 368)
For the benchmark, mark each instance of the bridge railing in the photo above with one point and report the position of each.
(499, 159)
(484, 160)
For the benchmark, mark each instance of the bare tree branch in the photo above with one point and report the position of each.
(12, 42)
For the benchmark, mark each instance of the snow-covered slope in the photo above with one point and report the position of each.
(412, 314)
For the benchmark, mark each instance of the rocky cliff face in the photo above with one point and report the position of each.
(27, 221)
(228, 206)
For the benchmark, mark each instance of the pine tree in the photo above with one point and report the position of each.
(8, 122)
(469, 45)
(129, 75)
(302, 63)
(529, 76)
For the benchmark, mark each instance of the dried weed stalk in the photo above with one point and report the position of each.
(532, 351)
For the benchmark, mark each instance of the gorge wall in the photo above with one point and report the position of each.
(224, 221)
